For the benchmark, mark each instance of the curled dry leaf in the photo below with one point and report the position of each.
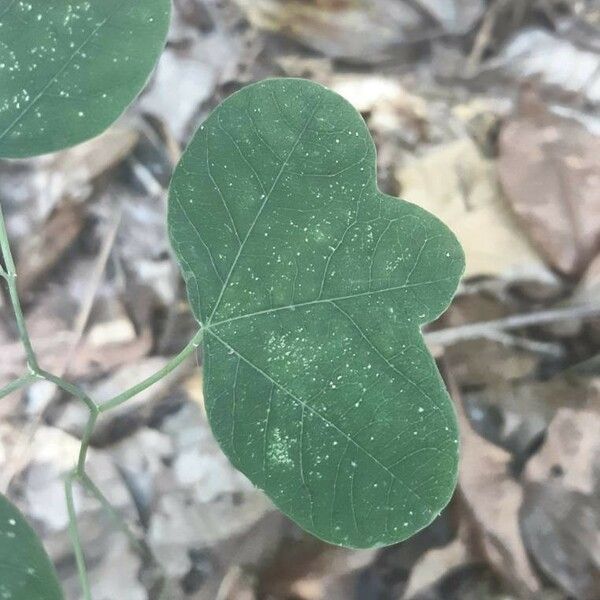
(70, 173)
(41, 251)
(527, 407)
(549, 167)
(557, 62)
(438, 562)
(493, 500)
(561, 512)
(391, 107)
(311, 570)
(362, 30)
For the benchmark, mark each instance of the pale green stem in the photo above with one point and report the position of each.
(17, 384)
(10, 274)
(75, 538)
(85, 442)
(118, 520)
(35, 372)
(70, 388)
(170, 366)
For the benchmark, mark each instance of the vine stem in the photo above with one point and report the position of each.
(10, 274)
(75, 537)
(192, 346)
(17, 384)
(78, 473)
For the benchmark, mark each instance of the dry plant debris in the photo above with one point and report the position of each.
(484, 113)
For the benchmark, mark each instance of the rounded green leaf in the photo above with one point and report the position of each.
(312, 287)
(26, 572)
(69, 68)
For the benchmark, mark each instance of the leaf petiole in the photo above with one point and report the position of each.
(192, 346)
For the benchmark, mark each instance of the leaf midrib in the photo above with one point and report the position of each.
(266, 311)
(262, 207)
(315, 412)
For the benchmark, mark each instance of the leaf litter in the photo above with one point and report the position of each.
(446, 136)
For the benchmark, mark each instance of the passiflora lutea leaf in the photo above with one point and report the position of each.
(26, 572)
(69, 68)
(312, 286)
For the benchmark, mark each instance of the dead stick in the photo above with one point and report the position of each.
(451, 335)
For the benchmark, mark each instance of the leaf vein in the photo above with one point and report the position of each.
(262, 207)
(329, 300)
(317, 414)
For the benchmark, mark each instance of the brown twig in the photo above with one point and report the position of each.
(485, 329)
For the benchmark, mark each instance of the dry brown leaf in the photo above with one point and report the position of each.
(92, 359)
(64, 179)
(549, 167)
(572, 67)
(456, 183)
(69, 173)
(363, 30)
(41, 251)
(391, 107)
(437, 563)
(312, 570)
(485, 362)
(493, 500)
(198, 58)
(561, 513)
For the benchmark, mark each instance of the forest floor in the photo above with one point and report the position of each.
(483, 112)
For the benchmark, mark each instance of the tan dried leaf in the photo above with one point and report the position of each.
(549, 167)
(459, 185)
(493, 499)
(561, 516)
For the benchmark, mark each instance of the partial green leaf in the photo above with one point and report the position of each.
(69, 68)
(26, 572)
(312, 287)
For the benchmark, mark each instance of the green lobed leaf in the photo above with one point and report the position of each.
(312, 287)
(69, 68)
(26, 572)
